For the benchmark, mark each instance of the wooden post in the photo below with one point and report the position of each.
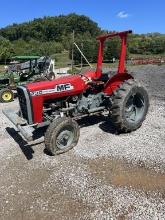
(81, 56)
(73, 49)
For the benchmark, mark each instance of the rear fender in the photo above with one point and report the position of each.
(115, 82)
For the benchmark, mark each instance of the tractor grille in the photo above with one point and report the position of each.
(24, 102)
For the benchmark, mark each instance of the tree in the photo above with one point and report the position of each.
(89, 49)
(51, 28)
(6, 49)
(112, 49)
(50, 35)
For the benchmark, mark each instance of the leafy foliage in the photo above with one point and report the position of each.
(89, 49)
(147, 44)
(51, 28)
(51, 35)
(112, 49)
(6, 49)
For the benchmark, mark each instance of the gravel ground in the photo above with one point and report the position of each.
(106, 176)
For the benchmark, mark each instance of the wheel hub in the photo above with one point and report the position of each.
(134, 108)
(64, 139)
(6, 96)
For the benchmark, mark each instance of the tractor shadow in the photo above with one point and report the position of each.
(26, 147)
(104, 123)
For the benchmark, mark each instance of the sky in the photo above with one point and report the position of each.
(142, 16)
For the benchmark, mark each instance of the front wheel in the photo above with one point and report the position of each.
(130, 106)
(6, 95)
(61, 135)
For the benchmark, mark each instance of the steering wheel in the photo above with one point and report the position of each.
(82, 75)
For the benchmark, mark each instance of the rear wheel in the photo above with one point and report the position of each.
(130, 106)
(6, 95)
(61, 135)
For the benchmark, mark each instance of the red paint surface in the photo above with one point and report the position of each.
(37, 101)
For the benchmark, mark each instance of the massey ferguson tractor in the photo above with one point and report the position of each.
(59, 103)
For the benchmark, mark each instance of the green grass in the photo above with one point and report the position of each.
(1, 68)
(62, 59)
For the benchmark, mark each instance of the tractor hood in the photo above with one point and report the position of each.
(40, 92)
(64, 86)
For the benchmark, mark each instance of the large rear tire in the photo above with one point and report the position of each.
(6, 95)
(130, 106)
(61, 135)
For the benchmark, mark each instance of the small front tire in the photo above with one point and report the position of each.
(61, 135)
(6, 95)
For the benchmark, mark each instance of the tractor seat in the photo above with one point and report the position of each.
(106, 75)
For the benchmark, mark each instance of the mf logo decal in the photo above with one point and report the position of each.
(58, 88)
(63, 87)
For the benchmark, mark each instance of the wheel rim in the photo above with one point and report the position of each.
(7, 96)
(64, 138)
(134, 108)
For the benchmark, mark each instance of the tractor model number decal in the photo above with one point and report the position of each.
(58, 88)
(36, 93)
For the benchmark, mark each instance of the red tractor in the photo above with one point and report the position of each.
(59, 103)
